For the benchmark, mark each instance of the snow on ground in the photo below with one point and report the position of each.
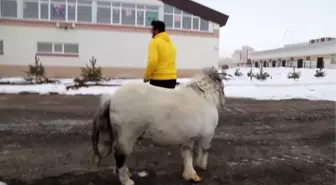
(278, 87)
(12, 79)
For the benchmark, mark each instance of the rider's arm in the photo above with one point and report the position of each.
(152, 59)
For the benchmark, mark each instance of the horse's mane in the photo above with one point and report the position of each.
(212, 73)
(206, 76)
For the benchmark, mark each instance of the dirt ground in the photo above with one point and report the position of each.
(45, 140)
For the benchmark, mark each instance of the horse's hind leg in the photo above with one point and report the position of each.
(189, 172)
(203, 146)
(123, 148)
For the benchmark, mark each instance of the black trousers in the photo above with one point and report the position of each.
(170, 84)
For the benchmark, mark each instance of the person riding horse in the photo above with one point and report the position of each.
(161, 65)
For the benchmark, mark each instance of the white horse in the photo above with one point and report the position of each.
(186, 116)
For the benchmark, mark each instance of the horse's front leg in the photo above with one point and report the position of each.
(189, 172)
(203, 147)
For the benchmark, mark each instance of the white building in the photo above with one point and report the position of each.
(317, 53)
(66, 33)
(236, 56)
(226, 62)
(240, 56)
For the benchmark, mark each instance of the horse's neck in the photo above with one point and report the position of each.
(192, 88)
(207, 96)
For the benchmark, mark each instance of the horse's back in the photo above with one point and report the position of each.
(142, 91)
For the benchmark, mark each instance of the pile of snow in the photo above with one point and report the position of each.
(277, 87)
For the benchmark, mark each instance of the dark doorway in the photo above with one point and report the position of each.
(283, 63)
(320, 63)
(273, 63)
(265, 64)
(300, 63)
(256, 64)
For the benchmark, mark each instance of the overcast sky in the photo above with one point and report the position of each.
(267, 24)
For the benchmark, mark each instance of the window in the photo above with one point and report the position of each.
(168, 19)
(140, 15)
(204, 25)
(150, 16)
(71, 48)
(195, 23)
(116, 13)
(107, 12)
(152, 13)
(168, 9)
(1, 47)
(176, 18)
(168, 16)
(84, 11)
(57, 10)
(8, 8)
(71, 10)
(44, 47)
(332, 57)
(103, 12)
(30, 9)
(57, 48)
(44, 8)
(128, 14)
(186, 21)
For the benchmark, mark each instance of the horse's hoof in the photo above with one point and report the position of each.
(194, 178)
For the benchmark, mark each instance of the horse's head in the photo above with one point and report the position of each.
(210, 85)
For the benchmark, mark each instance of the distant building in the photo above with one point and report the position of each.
(240, 56)
(236, 56)
(316, 53)
(66, 33)
(226, 62)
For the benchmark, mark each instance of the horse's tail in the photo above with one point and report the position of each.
(102, 119)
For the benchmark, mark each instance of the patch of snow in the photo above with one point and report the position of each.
(140, 174)
(40, 88)
(13, 79)
(276, 88)
(280, 87)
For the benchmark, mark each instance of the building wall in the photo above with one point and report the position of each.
(121, 50)
(298, 51)
(291, 54)
(329, 62)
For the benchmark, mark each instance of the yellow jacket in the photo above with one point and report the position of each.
(161, 58)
